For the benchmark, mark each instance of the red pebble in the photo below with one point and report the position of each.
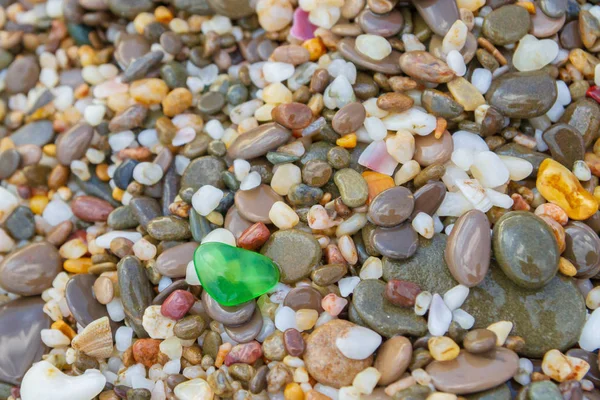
(594, 93)
(246, 353)
(254, 237)
(177, 304)
(401, 293)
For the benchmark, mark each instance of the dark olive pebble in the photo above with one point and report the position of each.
(174, 380)
(104, 257)
(217, 148)
(230, 180)
(328, 274)
(470, 126)
(276, 157)
(301, 95)
(360, 248)
(212, 341)
(420, 359)
(365, 87)
(196, 147)
(197, 58)
(431, 173)
(338, 157)
(211, 102)
(37, 175)
(264, 169)
(367, 236)
(237, 94)
(190, 327)
(138, 394)
(20, 224)
(84, 362)
(258, 383)
(9, 162)
(303, 195)
(225, 203)
(174, 74)
(316, 151)
(316, 173)
(141, 66)
(456, 332)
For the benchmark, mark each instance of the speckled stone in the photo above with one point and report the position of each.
(565, 144)
(506, 24)
(283, 248)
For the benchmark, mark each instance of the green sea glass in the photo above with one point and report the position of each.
(232, 275)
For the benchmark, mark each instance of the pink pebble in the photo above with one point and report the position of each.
(246, 353)
(376, 157)
(333, 304)
(301, 27)
(177, 304)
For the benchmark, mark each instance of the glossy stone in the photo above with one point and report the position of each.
(303, 297)
(255, 204)
(582, 249)
(522, 94)
(383, 317)
(72, 144)
(232, 275)
(31, 269)
(592, 359)
(584, 116)
(429, 198)
(501, 392)
(391, 207)
(429, 150)
(385, 25)
(352, 187)
(203, 171)
(469, 373)
(525, 249)
(172, 262)
(283, 248)
(349, 118)
(248, 331)
(145, 209)
(399, 242)
(517, 150)
(401, 293)
(439, 15)
(81, 302)
(136, 292)
(389, 65)
(292, 115)
(565, 144)
(543, 26)
(440, 104)
(235, 223)
(259, 141)
(393, 358)
(423, 66)
(228, 315)
(479, 341)
(506, 24)
(20, 223)
(21, 322)
(468, 249)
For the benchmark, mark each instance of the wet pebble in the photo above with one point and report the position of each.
(31, 269)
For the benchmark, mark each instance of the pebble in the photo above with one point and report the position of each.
(281, 249)
(169, 228)
(387, 65)
(258, 141)
(581, 249)
(136, 292)
(30, 270)
(20, 223)
(565, 144)
(22, 75)
(391, 207)
(479, 341)
(349, 118)
(72, 144)
(352, 187)
(438, 16)
(432, 151)
(385, 25)
(584, 116)
(422, 65)
(325, 362)
(37, 133)
(81, 302)
(393, 358)
(506, 24)
(9, 162)
(398, 242)
(292, 115)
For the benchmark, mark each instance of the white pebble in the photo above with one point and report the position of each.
(241, 168)
(563, 93)
(375, 128)
(277, 71)
(49, 77)
(582, 171)
(366, 380)
(533, 54)
(481, 79)
(214, 129)
(147, 173)
(422, 302)
(115, 310)
(338, 93)
(489, 169)
(518, 168)
(423, 225)
(54, 338)
(285, 318)
(456, 62)
(56, 211)
(455, 297)
(414, 120)
(373, 46)
(589, 339)
(456, 37)
(157, 325)
(103, 241)
(347, 285)
(251, 181)
(463, 318)
(123, 338)
(220, 235)
(191, 277)
(121, 140)
(357, 342)
(440, 316)
(94, 114)
(206, 199)
(372, 268)
(342, 67)
(282, 215)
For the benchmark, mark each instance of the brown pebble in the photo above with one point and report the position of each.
(395, 102)
(254, 237)
(59, 234)
(121, 247)
(349, 118)
(479, 341)
(293, 342)
(319, 81)
(401, 293)
(292, 115)
(393, 358)
(291, 54)
(91, 209)
(146, 351)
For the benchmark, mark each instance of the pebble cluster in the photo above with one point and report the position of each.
(299, 199)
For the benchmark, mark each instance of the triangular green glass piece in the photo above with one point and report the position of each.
(232, 275)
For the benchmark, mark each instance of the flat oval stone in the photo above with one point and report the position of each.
(526, 249)
(506, 24)
(81, 301)
(303, 297)
(352, 186)
(169, 228)
(383, 317)
(385, 25)
(255, 204)
(470, 373)
(423, 66)
(31, 269)
(429, 150)
(393, 358)
(22, 75)
(429, 198)
(399, 242)
(20, 224)
(235, 223)
(440, 104)
(543, 25)
(439, 15)
(283, 248)
(349, 118)
(233, 275)
(391, 207)
(37, 133)
(203, 171)
(565, 144)
(145, 209)
(173, 261)
(389, 65)
(136, 292)
(569, 36)
(584, 116)
(468, 248)
(479, 341)
(9, 162)
(72, 144)
(522, 94)
(292, 115)
(248, 331)
(582, 249)
(21, 322)
(229, 315)
(259, 141)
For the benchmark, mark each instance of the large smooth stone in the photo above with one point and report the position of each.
(232, 275)
(22, 75)
(235, 223)
(468, 248)
(470, 373)
(203, 171)
(523, 94)
(283, 247)
(81, 301)
(21, 322)
(582, 249)
(37, 133)
(173, 261)
(429, 198)
(259, 141)
(383, 317)
(526, 249)
(584, 116)
(31, 269)
(429, 150)
(506, 24)
(384, 25)
(136, 292)
(389, 65)
(399, 242)
(391, 207)
(565, 144)
(254, 205)
(497, 298)
(439, 15)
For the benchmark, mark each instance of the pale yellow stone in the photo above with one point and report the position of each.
(465, 93)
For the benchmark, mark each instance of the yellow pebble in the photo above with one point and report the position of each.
(62, 326)
(442, 348)
(597, 193)
(293, 391)
(306, 318)
(566, 267)
(78, 266)
(163, 14)
(558, 185)
(316, 48)
(142, 20)
(117, 194)
(148, 91)
(6, 143)
(347, 141)
(277, 93)
(224, 349)
(102, 172)
(87, 55)
(37, 203)
(216, 218)
(49, 150)
(528, 6)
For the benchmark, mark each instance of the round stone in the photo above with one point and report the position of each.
(391, 207)
(393, 358)
(283, 248)
(506, 24)
(255, 204)
(399, 242)
(582, 249)
(479, 341)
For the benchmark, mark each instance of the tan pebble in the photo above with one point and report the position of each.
(103, 290)
(177, 101)
(149, 91)
(502, 330)
(442, 348)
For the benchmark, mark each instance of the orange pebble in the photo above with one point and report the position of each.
(78, 266)
(117, 194)
(530, 7)
(293, 391)
(62, 326)
(163, 14)
(224, 349)
(520, 203)
(554, 212)
(37, 203)
(347, 141)
(316, 48)
(440, 127)
(377, 183)
(102, 172)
